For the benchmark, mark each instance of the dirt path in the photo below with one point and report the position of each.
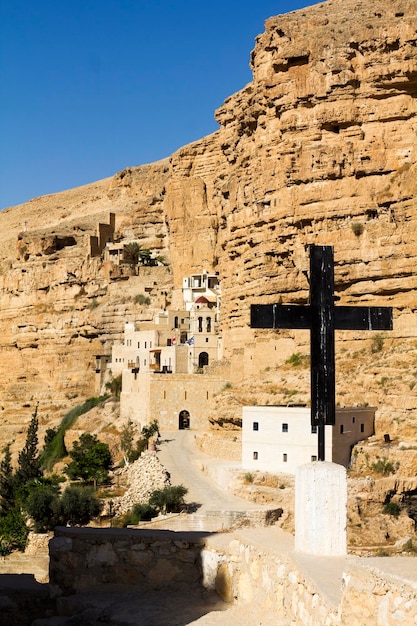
(179, 454)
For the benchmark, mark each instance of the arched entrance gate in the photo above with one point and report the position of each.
(184, 420)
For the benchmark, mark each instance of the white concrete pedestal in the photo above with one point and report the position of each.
(321, 509)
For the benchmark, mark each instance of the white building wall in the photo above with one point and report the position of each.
(287, 431)
(135, 397)
(273, 440)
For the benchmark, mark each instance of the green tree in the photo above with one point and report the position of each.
(150, 430)
(7, 482)
(91, 460)
(13, 531)
(168, 500)
(78, 506)
(28, 460)
(54, 449)
(50, 436)
(145, 256)
(42, 506)
(132, 253)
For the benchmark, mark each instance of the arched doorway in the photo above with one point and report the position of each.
(184, 420)
(203, 359)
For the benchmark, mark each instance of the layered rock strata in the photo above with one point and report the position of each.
(318, 148)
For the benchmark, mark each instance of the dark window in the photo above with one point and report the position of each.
(314, 430)
(362, 428)
(342, 428)
(255, 425)
(255, 456)
(284, 457)
(285, 428)
(208, 323)
(200, 324)
(176, 321)
(353, 420)
(313, 458)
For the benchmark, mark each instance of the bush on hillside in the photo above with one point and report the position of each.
(91, 460)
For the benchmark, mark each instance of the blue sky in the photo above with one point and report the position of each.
(92, 86)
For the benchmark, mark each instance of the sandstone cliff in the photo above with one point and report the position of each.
(319, 148)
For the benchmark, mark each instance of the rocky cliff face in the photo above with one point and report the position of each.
(319, 148)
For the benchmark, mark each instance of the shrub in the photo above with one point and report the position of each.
(384, 467)
(91, 460)
(55, 448)
(78, 506)
(377, 343)
(168, 500)
(115, 386)
(142, 512)
(150, 430)
(410, 546)
(392, 508)
(248, 477)
(13, 531)
(297, 359)
(42, 506)
(140, 298)
(357, 228)
(130, 450)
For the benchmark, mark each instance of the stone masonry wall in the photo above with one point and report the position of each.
(257, 568)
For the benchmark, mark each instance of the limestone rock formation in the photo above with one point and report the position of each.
(319, 148)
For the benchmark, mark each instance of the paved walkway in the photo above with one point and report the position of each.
(179, 454)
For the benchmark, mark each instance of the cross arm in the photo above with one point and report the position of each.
(280, 316)
(299, 316)
(363, 318)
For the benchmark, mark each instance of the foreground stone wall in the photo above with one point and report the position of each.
(253, 567)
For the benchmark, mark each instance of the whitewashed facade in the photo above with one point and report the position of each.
(278, 439)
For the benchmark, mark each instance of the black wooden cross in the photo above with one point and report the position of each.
(322, 318)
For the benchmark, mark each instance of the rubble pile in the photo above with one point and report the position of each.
(142, 477)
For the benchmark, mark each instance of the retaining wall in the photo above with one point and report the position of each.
(254, 567)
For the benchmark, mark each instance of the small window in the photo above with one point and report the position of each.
(314, 430)
(362, 428)
(255, 456)
(353, 419)
(185, 395)
(144, 361)
(313, 458)
(138, 344)
(206, 339)
(150, 344)
(255, 425)
(207, 395)
(342, 428)
(145, 344)
(285, 428)
(284, 457)
(165, 395)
